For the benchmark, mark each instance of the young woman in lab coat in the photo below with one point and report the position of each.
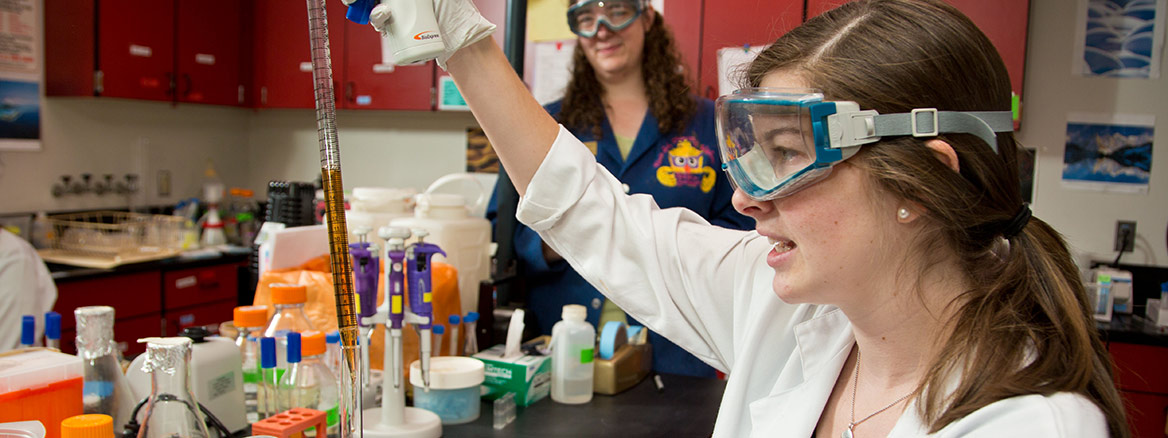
(658, 140)
(906, 292)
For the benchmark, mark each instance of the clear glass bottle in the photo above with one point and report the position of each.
(171, 411)
(573, 342)
(309, 383)
(250, 321)
(106, 390)
(289, 301)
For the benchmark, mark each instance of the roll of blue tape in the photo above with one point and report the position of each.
(612, 337)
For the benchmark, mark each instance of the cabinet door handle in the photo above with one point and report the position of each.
(350, 90)
(171, 86)
(189, 85)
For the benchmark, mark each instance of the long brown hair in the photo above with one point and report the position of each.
(665, 82)
(1024, 326)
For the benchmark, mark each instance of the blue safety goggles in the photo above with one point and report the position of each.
(777, 141)
(585, 17)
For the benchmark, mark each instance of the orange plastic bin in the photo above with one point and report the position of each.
(40, 384)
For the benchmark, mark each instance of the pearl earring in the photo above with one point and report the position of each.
(902, 213)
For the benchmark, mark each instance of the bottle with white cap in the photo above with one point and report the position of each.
(573, 344)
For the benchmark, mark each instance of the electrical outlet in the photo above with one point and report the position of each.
(163, 183)
(1125, 236)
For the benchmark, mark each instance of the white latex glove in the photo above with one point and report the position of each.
(459, 22)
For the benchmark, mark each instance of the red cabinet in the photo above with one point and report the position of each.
(283, 55)
(685, 22)
(207, 58)
(135, 47)
(168, 50)
(1139, 375)
(369, 84)
(736, 23)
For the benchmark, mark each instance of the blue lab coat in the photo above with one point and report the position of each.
(678, 170)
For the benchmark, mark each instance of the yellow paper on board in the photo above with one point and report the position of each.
(547, 20)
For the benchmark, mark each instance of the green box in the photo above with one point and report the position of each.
(528, 377)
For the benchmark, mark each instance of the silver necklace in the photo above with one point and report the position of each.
(852, 426)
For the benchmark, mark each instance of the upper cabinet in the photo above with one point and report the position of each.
(170, 50)
(283, 63)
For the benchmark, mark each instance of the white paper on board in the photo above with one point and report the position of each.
(731, 64)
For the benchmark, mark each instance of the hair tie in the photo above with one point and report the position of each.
(1017, 223)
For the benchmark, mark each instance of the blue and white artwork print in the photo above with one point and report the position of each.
(1109, 153)
(1121, 38)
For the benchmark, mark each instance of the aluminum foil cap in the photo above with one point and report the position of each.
(95, 331)
(167, 355)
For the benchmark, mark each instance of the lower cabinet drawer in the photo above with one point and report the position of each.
(201, 315)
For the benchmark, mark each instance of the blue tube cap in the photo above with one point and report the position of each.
(293, 347)
(453, 319)
(472, 317)
(333, 337)
(267, 352)
(27, 330)
(438, 329)
(53, 325)
(359, 11)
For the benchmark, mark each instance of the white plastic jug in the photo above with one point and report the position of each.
(375, 207)
(216, 378)
(465, 238)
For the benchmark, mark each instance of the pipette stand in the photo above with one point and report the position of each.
(394, 418)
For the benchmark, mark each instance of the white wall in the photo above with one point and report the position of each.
(1088, 219)
(100, 136)
(378, 148)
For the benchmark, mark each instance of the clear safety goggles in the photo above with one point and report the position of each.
(586, 16)
(777, 141)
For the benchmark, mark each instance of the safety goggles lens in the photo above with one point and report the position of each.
(585, 18)
(767, 141)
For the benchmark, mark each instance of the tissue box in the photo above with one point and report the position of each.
(1157, 314)
(528, 377)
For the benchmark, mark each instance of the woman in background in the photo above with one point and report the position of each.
(629, 101)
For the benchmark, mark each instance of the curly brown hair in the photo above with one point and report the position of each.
(665, 81)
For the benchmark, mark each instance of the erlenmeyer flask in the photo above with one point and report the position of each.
(171, 411)
(106, 390)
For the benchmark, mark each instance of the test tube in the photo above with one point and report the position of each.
(27, 331)
(472, 344)
(438, 330)
(454, 323)
(53, 330)
(269, 385)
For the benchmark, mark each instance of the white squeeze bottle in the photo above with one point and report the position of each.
(573, 342)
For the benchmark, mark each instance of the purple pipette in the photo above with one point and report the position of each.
(365, 266)
(419, 255)
(395, 256)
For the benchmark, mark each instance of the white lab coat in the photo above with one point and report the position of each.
(26, 288)
(708, 289)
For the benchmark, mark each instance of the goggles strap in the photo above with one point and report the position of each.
(928, 122)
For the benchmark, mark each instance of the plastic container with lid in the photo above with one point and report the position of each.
(376, 207)
(22, 429)
(573, 344)
(465, 239)
(288, 300)
(88, 426)
(454, 388)
(216, 377)
(40, 385)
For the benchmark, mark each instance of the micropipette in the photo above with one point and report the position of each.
(418, 274)
(330, 175)
(395, 255)
(365, 271)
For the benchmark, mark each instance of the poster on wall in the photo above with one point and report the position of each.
(480, 156)
(1108, 152)
(1120, 38)
(553, 70)
(20, 79)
